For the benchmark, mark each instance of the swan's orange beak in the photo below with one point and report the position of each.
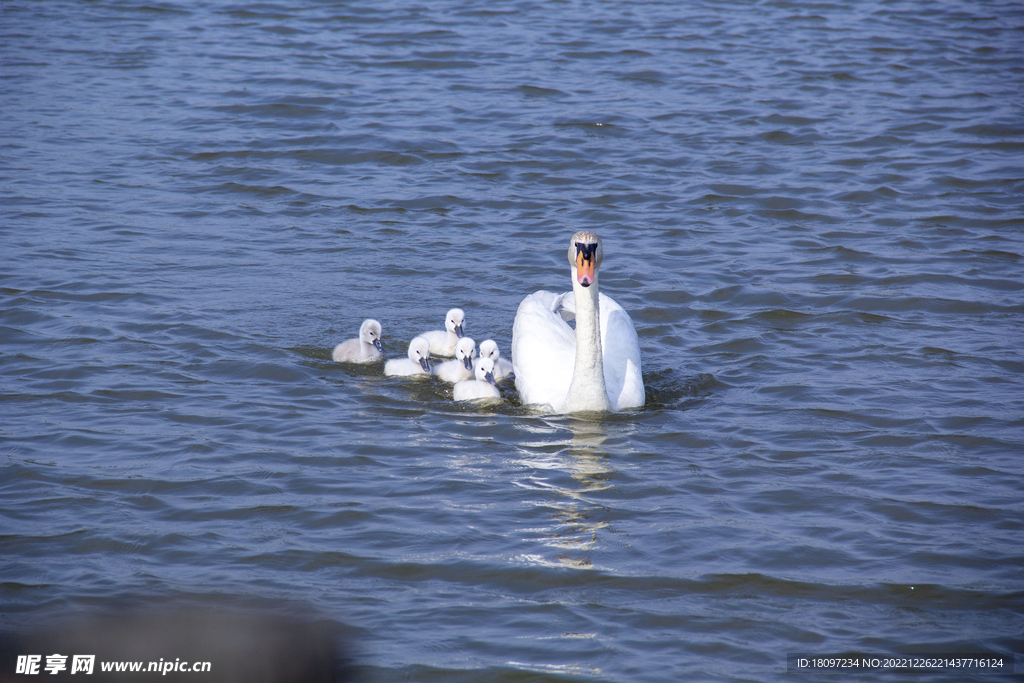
(585, 268)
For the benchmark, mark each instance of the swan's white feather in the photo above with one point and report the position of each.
(543, 351)
(623, 376)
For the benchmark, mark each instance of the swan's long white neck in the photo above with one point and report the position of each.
(587, 390)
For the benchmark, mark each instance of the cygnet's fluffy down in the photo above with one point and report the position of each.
(480, 388)
(461, 368)
(502, 367)
(442, 342)
(416, 364)
(366, 349)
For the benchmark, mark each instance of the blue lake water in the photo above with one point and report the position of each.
(813, 212)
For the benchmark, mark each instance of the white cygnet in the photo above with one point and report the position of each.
(415, 364)
(366, 349)
(442, 342)
(502, 367)
(479, 388)
(461, 368)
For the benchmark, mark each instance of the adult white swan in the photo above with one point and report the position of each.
(594, 367)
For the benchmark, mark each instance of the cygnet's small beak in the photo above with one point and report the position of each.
(458, 331)
(489, 377)
(425, 364)
(468, 362)
(380, 346)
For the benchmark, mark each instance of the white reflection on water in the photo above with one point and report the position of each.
(578, 447)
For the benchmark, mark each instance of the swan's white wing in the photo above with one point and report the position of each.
(565, 306)
(543, 350)
(623, 376)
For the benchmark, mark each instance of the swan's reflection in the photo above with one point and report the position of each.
(576, 446)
